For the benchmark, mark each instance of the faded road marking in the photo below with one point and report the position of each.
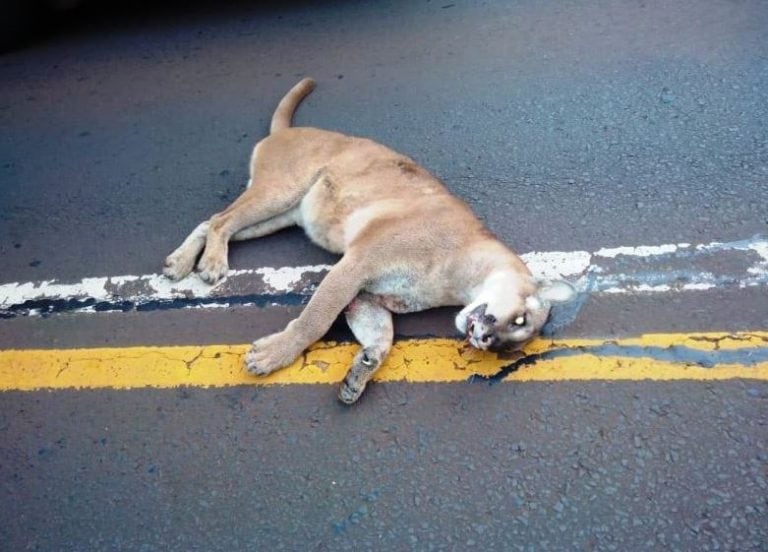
(642, 269)
(710, 356)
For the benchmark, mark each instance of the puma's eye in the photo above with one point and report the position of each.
(520, 321)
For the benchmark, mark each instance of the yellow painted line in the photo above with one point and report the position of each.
(418, 360)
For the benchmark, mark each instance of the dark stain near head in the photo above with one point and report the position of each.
(677, 354)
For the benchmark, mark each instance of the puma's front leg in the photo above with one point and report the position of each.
(335, 292)
(372, 325)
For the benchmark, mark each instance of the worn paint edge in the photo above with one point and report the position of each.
(417, 360)
(294, 285)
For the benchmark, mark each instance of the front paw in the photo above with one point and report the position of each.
(212, 269)
(270, 353)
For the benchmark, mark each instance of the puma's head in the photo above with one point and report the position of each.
(503, 319)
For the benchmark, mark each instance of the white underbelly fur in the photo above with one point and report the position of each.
(401, 291)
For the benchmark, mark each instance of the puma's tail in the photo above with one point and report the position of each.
(284, 112)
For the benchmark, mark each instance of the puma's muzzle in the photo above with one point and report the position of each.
(481, 328)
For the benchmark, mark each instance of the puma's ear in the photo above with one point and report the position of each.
(555, 291)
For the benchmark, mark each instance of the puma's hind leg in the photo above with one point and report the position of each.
(260, 210)
(372, 326)
(257, 205)
(181, 262)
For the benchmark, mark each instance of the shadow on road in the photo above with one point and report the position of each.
(24, 24)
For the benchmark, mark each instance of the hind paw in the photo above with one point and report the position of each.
(211, 270)
(177, 266)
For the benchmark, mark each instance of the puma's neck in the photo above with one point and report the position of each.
(492, 269)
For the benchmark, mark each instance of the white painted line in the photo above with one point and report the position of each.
(643, 269)
(640, 251)
(558, 264)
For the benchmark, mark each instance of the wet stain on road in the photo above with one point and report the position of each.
(676, 354)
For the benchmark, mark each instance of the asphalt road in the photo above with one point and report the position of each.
(566, 125)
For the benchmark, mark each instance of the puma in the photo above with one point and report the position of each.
(407, 245)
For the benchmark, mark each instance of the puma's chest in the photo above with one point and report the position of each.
(403, 292)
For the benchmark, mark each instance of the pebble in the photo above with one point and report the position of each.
(667, 96)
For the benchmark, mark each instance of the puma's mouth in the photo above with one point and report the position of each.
(470, 335)
(479, 335)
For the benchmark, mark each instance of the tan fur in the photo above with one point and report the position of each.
(407, 244)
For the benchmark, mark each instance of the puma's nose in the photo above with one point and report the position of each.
(486, 339)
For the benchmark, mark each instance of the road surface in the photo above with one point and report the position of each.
(621, 145)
